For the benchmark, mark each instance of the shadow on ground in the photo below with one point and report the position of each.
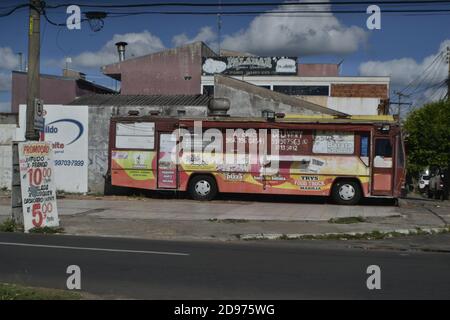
(248, 197)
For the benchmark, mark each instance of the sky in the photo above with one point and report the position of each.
(403, 48)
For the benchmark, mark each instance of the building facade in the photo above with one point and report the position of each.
(190, 69)
(352, 95)
(54, 89)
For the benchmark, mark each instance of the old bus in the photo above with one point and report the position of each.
(342, 158)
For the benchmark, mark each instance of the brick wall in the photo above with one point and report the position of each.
(360, 90)
(318, 70)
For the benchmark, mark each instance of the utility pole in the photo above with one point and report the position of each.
(33, 74)
(400, 103)
(219, 25)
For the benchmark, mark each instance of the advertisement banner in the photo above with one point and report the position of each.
(249, 65)
(37, 185)
(66, 128)
(167, 169)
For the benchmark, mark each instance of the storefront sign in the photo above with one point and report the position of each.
(250, 65)
(37, 185)
(66, 128)
(334, 142)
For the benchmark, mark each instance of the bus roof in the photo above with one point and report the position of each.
(288, 118)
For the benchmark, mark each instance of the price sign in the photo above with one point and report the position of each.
(37, 185)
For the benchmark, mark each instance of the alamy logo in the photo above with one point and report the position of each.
(74, 280)
(374, 280)
(374, 20)
(73, 21)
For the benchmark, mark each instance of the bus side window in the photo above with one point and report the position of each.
(383, 153)
(364, 148)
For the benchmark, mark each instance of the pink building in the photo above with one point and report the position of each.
(54, 89)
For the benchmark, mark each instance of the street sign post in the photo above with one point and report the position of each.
(38, 115)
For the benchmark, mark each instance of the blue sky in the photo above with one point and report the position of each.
(325, 39)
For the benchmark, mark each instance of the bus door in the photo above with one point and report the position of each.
(382, 166)
(167, 167)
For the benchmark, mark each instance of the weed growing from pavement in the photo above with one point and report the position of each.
(374, 235)
(347, 220)
(228, 220)
(9, 225)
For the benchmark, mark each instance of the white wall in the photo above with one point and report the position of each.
(354, 106)
(7, 135)
(67, 130)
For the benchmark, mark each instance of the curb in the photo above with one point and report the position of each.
(299, 236)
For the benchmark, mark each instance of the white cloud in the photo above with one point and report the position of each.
(139, 44)
(296, 35)
(420, 81)
(206, 34)
(5, 106)
(5, 81)
(8, 59)
(403, 70)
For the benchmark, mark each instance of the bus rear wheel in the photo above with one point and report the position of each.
(202, 188)
(346, 192)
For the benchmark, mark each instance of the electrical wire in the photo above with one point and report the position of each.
(422, 73)
(275, 12)
(252, 4)
(14, 9)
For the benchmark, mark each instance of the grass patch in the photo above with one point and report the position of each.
(347, 220)
(9, 225)
(374, 235)
(17, 292)
(228, 220)
(47, 230)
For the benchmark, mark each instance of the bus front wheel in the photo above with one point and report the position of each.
(346, 192)
(202, 187)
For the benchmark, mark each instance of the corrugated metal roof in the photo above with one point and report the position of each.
(119, 100)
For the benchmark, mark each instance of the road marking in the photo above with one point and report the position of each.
(91, 249)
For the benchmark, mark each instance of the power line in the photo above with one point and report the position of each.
(434, 73)
(280, 12)
(14, 9)
(422, 73)
(253, 4)
(275, 12)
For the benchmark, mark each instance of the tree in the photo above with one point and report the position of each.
(428, 136)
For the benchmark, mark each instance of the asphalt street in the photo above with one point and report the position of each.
(148, 269)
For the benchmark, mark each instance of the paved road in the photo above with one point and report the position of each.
(133, 268)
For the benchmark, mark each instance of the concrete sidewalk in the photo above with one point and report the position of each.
(180, 219)
(179, 209)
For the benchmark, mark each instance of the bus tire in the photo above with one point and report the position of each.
(202, 187)
(346, 192)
